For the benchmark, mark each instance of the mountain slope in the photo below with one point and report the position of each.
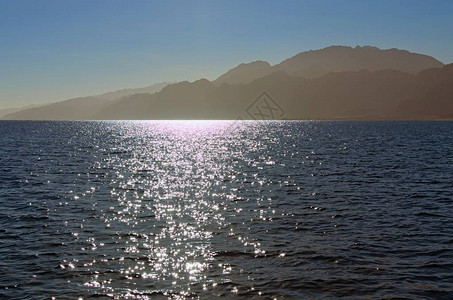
(433, 95)
(77, 108)
(72, 109)
(373, 89)
(7, 111)
(386, 94)
(245, 73)
(154, 88)
(315, 63)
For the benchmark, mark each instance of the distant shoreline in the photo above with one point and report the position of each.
(232, 120)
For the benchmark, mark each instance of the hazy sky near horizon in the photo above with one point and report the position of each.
(54, 50)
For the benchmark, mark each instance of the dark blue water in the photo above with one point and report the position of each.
(286, 210)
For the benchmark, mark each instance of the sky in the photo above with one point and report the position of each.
(54, 50)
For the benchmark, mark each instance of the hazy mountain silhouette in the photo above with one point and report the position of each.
(432, 95)
(128, 92)
(245, 73)
(386, 94)
(315, 63)
(81, 108)
(72, 109)
(197, 100)
(7, 111)
(377, 84)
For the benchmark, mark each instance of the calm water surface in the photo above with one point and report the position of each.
(286, 210)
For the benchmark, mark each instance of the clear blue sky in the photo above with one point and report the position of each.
(57, 49)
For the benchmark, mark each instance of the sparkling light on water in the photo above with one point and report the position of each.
(221, 209)
(170, 198)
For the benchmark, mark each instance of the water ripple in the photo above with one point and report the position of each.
(216, 209)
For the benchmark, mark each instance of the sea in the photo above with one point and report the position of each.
(226, 210)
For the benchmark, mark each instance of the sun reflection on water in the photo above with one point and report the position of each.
(168, 197)
(159, 210)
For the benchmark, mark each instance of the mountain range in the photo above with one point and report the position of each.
(81, 108)
(336, 82)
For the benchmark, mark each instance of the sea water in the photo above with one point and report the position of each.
(210, 209)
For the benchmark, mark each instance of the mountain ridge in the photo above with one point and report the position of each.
(77, 108)
(315, 63)
(336, 82)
